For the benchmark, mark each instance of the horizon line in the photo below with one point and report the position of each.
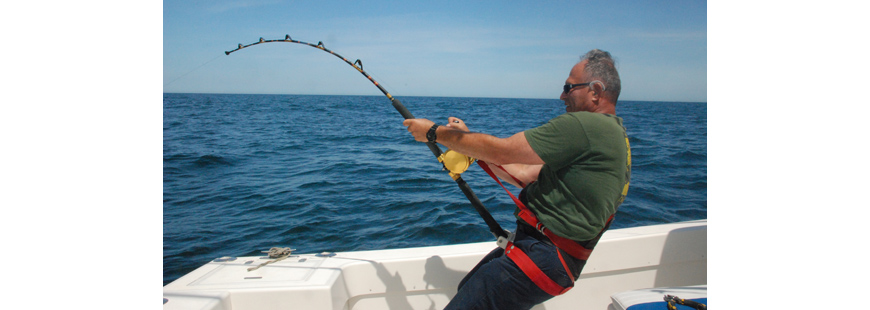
(381, 95)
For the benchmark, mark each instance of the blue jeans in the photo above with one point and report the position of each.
(497, 283)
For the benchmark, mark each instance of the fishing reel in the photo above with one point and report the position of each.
(455, 162)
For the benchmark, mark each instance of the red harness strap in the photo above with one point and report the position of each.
(523, 261)
(569, 246)
(534, 273)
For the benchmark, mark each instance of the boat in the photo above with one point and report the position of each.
(630, 266)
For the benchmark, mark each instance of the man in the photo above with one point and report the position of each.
(574, 172)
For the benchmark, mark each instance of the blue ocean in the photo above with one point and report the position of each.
(244, 173)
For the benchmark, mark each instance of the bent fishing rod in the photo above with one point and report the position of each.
(452, 161)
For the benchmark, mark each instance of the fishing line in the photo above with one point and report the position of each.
(191, 71)
(494, 227)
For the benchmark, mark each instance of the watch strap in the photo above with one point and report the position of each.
(431, 136)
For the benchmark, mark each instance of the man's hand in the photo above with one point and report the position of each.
(456, 123)
(418, 128)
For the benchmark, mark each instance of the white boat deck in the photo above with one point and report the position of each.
(426, 278)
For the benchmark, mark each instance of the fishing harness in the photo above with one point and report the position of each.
(456, 163)
(523, 261)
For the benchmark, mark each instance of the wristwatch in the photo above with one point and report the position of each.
(431, 134)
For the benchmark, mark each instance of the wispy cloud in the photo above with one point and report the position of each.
(668, 35)
(224, 6)
(415, 33)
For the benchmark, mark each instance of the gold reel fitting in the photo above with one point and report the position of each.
(455, 162)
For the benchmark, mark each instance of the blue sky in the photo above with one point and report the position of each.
(513, 49)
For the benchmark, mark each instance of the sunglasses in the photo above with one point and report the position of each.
(567, 87)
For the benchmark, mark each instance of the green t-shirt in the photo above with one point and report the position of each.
(587, 166)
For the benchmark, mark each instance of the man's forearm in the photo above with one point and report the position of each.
(519, 175)
(502, 151)
(476, 145)
(512, 150)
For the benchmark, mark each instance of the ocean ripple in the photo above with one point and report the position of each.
(243, 173)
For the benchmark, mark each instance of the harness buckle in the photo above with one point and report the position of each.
(540, 227)
(502, 242)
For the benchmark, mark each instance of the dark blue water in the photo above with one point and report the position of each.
(243, 173)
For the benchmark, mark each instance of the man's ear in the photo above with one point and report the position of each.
(597, 90)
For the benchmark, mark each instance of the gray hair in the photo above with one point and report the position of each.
(601, 66)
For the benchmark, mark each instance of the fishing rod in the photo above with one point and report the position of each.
(454, 162)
